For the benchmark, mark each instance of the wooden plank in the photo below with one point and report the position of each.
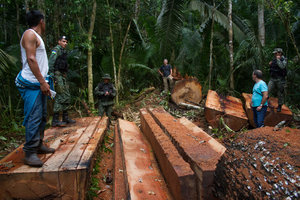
(86, 162)
(272, 116)
(67, 170)
(179, 176)
(120, 188)
(136, 156)
(230, 108)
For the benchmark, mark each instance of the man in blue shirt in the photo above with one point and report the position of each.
(166, 72)
(259, 98)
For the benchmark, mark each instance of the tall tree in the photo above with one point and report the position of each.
(231, 44)
(90, 54)
(261, 22)
(211, 45)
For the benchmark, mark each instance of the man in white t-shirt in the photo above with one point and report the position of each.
(33, 84)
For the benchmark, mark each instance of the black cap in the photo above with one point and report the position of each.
(63, 37)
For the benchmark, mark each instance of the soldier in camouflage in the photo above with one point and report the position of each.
(106, 92)
(278, 73)
(58, 68)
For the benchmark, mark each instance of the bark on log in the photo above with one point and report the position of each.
(187, 91)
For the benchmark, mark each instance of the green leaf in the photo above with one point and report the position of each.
(3, 138)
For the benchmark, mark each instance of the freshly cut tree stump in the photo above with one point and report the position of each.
(187, 91)
(272, 116)
(142, 176)
(65, 173)
(230, 108)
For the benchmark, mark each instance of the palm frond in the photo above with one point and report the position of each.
(169, 24)
(6, 61)
(206, 11)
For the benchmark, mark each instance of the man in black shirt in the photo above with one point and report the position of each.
(166, 72)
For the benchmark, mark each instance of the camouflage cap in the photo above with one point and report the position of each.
(106, 76)
(278, 50)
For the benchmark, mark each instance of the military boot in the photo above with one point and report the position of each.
(66, 118)
(279, 108)
(32, 160)
(44, 149)
(56, 122)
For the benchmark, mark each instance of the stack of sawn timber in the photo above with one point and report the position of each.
(186, 155)
(65, 173)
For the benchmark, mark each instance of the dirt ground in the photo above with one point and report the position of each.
(260, 164)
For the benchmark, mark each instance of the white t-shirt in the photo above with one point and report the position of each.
(41, 57)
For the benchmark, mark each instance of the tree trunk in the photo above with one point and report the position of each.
(113, 54)
(18, 19)
(137, 9)
(26, 5)
(211, 45)
(121, 56)
(261, 22)
(90, 55)
(231, 44)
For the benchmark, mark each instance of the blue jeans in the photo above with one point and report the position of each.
(34, 130)
(259, 116)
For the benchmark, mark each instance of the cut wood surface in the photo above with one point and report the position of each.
(63, 175)
(120, 188)
(187, 91)
(178, 174)
(142, 173)
(272, 116)
(194, 147)
(230, 108)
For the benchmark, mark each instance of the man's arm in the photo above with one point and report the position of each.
(52, 60)
(281, 64)
(29, 42)
(160, 72)
(263, 101)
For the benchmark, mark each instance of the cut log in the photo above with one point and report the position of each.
(272, 117)
(230, 108)
(196, 147)
(120, 188)
(187, 91)
(178, 174)
(64, 173)
(141, 173)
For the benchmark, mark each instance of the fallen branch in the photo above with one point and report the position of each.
(189, 106)
(90, 114)
(143, 94)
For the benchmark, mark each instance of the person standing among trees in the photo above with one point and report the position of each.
(166, 73)
(278, 73)
(58, 68)
(259, 102)
(106, 92)
(34, 86)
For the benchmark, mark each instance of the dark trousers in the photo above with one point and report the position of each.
(34, 130)
(259, 116)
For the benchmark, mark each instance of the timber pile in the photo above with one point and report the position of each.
(272, 116)
(229, 108)
(65, 173)
(177, 142)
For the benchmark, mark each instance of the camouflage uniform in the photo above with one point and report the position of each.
(278, 73)
(105, 102)
(58, 68)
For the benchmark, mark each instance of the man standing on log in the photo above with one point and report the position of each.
(166, 72)
(34, 86)
(278, 73)
(58, 68)
(106, 93)
(259, 102)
